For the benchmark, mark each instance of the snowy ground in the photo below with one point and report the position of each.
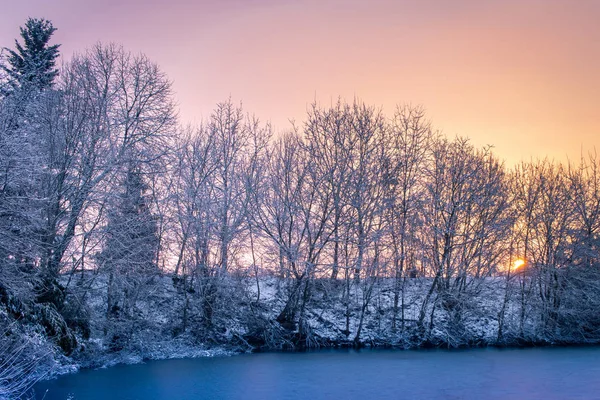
(240, 315)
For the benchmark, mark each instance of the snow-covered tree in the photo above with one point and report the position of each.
(33, 63)
(465, 222)
(129, 255)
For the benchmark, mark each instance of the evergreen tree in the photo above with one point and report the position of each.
(131, 245)
(23, 145)
(32, 64)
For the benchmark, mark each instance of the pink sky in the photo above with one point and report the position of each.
(523, 75)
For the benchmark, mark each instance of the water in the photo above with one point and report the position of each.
(539, 373)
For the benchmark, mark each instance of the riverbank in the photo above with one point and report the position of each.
(170, 321)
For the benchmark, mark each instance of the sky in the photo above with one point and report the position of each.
(521, 75)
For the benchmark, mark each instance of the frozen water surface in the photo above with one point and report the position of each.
(535, 373)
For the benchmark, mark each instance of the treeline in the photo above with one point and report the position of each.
(103, 194)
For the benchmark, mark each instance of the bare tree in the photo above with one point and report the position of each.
(279, 216)
(465, 222)
(410, 138)
(192, 198)
(327, 135)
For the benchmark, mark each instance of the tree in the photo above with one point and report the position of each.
(292, 212)
(584, 194)
(32, 64)
(327, 136)
(131, 246)
(578, 317)
(369, 163)
(191, 198)
(465, 222)
(410, 137)
(215, 181)
(111, 117)
(279, 217)
(25, 144)
(238, 142)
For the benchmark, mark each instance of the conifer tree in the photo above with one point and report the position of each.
(131, 245)
(32, 64)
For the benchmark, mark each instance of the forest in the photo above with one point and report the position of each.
(125, 234)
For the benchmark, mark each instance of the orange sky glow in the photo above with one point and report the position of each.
(522, 75)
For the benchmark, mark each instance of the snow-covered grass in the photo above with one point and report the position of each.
(168, 319)
(326, 312)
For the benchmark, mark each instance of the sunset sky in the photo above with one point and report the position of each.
(522, 75)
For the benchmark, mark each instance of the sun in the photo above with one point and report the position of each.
(518, 263)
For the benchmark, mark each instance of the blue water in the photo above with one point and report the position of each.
(538, 373)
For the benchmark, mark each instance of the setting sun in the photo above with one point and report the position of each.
(518, 263)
